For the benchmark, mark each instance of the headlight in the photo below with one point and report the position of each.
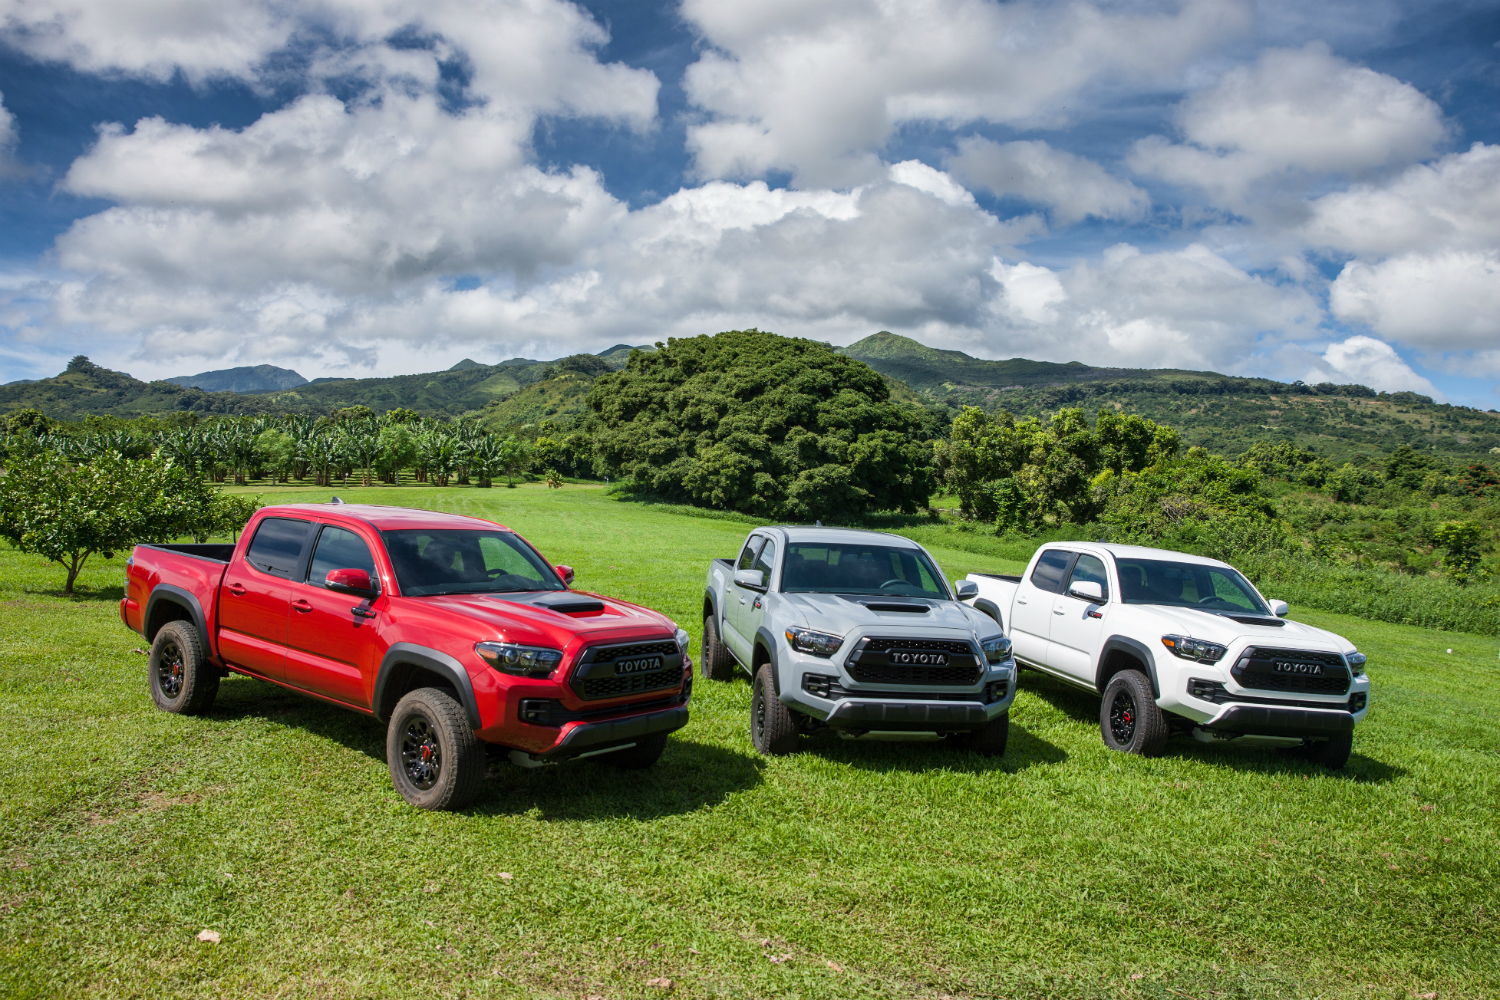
(817, 643)
(1356, 664)
(529, 661)
(682, 640)
(996, 650)
(1193, 649)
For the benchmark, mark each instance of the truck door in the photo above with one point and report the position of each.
(332, 644)
(1031, 615)
(256, 595)
(753, 610)
(736, 598)
(1078, 624)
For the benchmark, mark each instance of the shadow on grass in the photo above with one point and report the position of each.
(1083, 707)
(689, 775)
(1023, 749)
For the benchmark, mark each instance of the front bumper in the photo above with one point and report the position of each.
(909, 716)
(586, 737)
(1268, 720)
(846, 704)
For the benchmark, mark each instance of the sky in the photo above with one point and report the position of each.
(377, 187)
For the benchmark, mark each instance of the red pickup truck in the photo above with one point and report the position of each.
(452, 630)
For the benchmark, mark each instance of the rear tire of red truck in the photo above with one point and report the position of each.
(179, 674)
(435, 760)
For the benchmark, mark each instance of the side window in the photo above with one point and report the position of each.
(340, 548)
(766, 560)
(277, 546)
(752, 549)
(1050, 569)
(1091, 569)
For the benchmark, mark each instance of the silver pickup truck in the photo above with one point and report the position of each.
(855, 631)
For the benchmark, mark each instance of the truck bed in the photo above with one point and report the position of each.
(212, 551)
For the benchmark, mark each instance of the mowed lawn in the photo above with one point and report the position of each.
(851, 869)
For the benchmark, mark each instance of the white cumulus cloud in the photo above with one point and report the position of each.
(817, 87)
(1071, 187)
(1448, 300)
(1367, 361)
(1294, 114)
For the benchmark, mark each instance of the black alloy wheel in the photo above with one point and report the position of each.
(170, 669)
(421, 753)
(1122, 717)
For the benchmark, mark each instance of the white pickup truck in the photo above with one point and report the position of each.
(1179, 643)
(858, 632)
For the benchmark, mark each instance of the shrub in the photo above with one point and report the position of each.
(1460, 543)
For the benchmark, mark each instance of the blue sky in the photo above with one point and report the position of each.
(346, 187)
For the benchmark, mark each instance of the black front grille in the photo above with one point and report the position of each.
(617, 687)
(870, 662)
(890, 673)
(551, 712)
(1257, 669)
(595, 677)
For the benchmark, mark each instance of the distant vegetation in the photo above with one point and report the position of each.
(1385, 505)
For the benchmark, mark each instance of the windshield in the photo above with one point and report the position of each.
(1207, 588)
(858, 568)
(462, 561)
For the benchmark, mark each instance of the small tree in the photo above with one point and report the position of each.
(66, 513)
(1459, 541)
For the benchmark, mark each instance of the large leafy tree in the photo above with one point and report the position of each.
(67, 512)
(769, 425)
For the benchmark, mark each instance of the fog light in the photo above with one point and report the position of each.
(1358, 701)
(818, 684)
(996, 691)
(1207, 690)
(536, 711)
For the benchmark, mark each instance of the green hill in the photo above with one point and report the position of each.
(1220, 412)
(85, 389)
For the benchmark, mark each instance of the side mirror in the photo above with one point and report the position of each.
(350, 581)
(752, 578)
(1088, 590)
(1279, 609)
(566, 572)
(965, 589)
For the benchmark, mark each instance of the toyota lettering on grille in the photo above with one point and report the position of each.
(640, 665)
(1290, 667)
(919, 658)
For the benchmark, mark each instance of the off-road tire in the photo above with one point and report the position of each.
(1129, 719)
(1332, 753)
(717, 664)
(647, 751)
(987, 742)
(773, 731)
(427, 720)
(179, 675)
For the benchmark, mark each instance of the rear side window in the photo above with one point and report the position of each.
(766, 560)
(1090, 569)
(752, 548)
(1051, 570)
(340, 548)
(277, 546)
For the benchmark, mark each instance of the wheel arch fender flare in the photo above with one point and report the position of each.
(166, 593)
(425, 658)
(988, 607)
(766, 640)
(711, 605)
(1133, 648)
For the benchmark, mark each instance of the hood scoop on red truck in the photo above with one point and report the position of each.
(563, 603)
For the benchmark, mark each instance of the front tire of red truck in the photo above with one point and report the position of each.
(181, 678)
(435, 760)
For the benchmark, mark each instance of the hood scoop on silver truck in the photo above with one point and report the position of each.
(911, 609)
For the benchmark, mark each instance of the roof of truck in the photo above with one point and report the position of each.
(387, 518)
(830, 536)
(1134, 552)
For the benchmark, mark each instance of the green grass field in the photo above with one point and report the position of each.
(851, 869)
